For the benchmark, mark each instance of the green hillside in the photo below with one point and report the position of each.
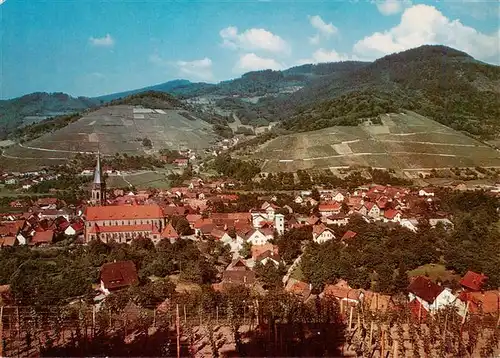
(444, 84)
(32, 107)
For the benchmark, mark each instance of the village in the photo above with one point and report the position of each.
(208, 211)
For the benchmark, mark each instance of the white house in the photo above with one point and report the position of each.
(235, 245)
(322, 234)
(410, 224)
(259, 236)
(258, 219)
(279, 223)
(443, 221)
(22, 239)
(328, 209)
(338, 197)
(298, 200)
(372, 210)
(424, 192)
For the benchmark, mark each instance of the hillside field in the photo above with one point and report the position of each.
(405, 141)
(119, 129)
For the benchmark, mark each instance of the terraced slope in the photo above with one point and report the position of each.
(404, 141)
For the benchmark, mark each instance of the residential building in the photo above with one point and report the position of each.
(118, 275)
(322, 234)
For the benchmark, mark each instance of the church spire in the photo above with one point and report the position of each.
(99, 185)
(97, 172)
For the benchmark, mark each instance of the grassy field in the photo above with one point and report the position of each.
(404, 141)
(435, 272)
(118, 129)
(156, 180)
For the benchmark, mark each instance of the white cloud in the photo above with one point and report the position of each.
(252, 62)
(2, 1)
(253, 40)
(193, 70)
(197, 69)
(424, 24)
(322, 55)
(106, 41)
(323, 28)
(391, 7)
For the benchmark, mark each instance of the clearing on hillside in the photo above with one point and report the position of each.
(406, 141)
(120, 129)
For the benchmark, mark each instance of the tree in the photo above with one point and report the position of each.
(181, 225)
(270, 274)
(246, 250)
(315, 194)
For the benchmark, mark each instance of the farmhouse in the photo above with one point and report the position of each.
(118, 275)
(328, 209)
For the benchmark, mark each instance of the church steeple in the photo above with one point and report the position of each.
(99, 185)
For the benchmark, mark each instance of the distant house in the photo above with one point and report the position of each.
(47, 203)
(299, 288)
(486, 302)
(426, 295)
(322, 234)
(392, 215)
(337, 219)
(259, 236)
(8, 241)
(118, 275)
(268, 256)
(181, 162)
(410, 224)
(343, 292)
(169, 233)
(42, 238)
(238, 273)
(372, 210)
(349, 235)
(298, 200)
(75, 229)
(473, 281)
(426, 192)
(328, 209)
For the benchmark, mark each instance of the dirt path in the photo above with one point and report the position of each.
(54, 150)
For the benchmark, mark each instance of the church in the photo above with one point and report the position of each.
(119, 223)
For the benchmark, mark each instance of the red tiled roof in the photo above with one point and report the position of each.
(349, 235)
(424, 288)
(8, 241)
(169, 232)
(341, 290)
(473, 281)
(46, 201)
(391, 214)
(330, 206)
(42, 237)
(318, 229)
(9, 228)
(482, 302)
(192, 218)
(94, 213)
(120, 228)
(78, 226)
(115, 275)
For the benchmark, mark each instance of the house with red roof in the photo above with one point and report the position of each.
(473, 281)
(42, 238)
(75, 229)
(300, 289)
(372, 210)
(392, 215)
(343, 292)
(339, 219)
(322, 233)
(329, 208)
(484, 302)
(118, 275)
(170, 233)
(259, 236)
(349, 235)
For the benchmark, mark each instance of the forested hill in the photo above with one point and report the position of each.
(437, 81)
(16, 112)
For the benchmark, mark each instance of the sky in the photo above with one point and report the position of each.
(96, 47)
